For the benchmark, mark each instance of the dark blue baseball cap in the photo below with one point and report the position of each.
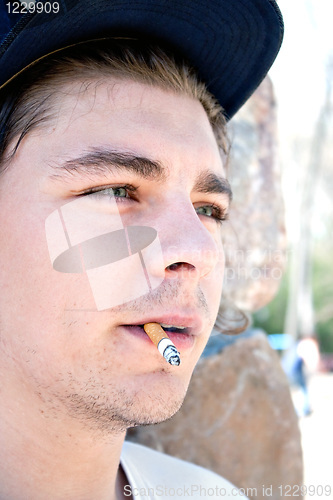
(231, 43)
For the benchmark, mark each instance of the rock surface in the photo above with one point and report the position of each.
(237, 419)
(255, 242)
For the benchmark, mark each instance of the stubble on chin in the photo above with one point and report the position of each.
(105, 413)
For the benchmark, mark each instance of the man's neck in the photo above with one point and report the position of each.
(46, 457)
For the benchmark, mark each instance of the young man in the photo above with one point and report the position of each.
(112, 195)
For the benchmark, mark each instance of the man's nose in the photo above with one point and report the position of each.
(189, 248)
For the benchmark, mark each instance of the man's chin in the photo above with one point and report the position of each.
(152, 409)
(158, 415)
(126, 411)
(156, 402)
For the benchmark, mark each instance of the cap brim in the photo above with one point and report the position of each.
(232, 44)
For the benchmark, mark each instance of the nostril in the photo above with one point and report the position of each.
(173, 267)
(177, 265)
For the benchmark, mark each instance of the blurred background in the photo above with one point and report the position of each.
(303, 79)
(303, 308)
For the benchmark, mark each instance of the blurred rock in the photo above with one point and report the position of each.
(255, 242)
(237, 419)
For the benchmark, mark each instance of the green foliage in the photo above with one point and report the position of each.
(325, 336)
(271, 317)
(322, 280)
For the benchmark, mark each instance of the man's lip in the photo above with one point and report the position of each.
(193, 323)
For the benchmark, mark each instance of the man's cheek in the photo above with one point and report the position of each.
(131, 276)
(212, 283)
(118, 260)
(215, 275)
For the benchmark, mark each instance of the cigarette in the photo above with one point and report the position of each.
(164, 345)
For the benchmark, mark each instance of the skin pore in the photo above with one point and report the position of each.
(74, 378)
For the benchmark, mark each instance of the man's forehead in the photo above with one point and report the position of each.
(132, 115)
(78, 96)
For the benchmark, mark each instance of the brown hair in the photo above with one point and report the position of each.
(26, 102)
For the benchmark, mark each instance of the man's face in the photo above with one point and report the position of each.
(67, 357)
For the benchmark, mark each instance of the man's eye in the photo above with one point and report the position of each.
(213, 211)
(112, 192)
(117, 192)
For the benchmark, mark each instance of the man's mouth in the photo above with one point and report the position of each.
(182, 336)
(183, 326)
(186, 324)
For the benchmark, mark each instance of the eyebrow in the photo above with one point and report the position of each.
(105, 161)
(209, 182)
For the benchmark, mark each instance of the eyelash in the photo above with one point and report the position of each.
(219, 214)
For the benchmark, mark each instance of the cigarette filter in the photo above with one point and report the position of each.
(163, 343)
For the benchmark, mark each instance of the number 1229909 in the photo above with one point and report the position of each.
(32, 7)
(301, 491)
